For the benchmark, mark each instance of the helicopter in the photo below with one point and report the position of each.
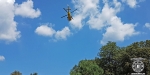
(68, 13)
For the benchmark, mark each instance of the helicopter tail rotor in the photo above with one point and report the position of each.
(71, 17)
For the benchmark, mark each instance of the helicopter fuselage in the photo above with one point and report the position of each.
(69, 16)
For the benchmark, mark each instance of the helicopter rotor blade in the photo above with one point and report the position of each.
(65, 9)
(73, 10)
(63, 16)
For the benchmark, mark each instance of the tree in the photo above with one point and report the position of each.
(16, 73)
(109, 55)
(140, 49)
(34, 74)
(115, 60)
(86, 67)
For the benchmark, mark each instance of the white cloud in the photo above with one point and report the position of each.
(8, 27)
(97, 19)
(63, 34)
(77, 22)
(26, 10)
(100, 20)
(45, 30)
(118, 31)
(132, 3)
(147, 25)
(90, 9)
(2, 58)
(10, 1)
(85, 8)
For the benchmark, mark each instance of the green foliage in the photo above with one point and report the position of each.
(115, 60)
(140, 49)
(34, 74)
(86, 67)
(110, 57)
(16, 73)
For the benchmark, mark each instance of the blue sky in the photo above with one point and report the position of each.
(33, 37)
